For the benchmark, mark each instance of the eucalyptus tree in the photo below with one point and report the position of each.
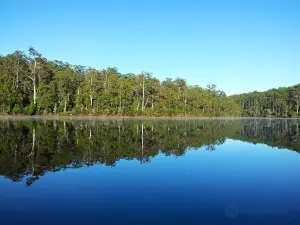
(168, 93)
(35, 62)
(67, 83)
(296, 97)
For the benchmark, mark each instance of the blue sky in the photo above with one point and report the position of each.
(238, 45)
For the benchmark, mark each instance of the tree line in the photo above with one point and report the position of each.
(30, 148)
(281, 102)
(30, 84)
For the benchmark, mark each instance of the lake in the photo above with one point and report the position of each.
(149, 171)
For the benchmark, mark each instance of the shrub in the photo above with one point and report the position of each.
(17, 109)
(30, 109)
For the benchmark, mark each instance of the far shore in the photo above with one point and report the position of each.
(128, 117)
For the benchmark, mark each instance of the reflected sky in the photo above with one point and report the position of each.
(236, 182)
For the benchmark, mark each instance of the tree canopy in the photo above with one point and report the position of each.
(30, 84)
(281, 102)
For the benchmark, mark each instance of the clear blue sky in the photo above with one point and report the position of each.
(238, 45)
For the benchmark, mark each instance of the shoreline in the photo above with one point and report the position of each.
(131, 117)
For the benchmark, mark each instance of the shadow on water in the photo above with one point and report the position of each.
(30, 148)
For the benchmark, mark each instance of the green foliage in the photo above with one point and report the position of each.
(282, 102)
(40, 86)
(30, 109)
(17, 109)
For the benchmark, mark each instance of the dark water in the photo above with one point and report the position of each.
(150, 171)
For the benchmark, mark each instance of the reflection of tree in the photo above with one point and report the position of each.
(275, 133)
(30, 148)
(210, 147)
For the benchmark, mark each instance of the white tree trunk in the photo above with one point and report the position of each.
(91, 101)
(33, 139)
(17, 82)
(65, 107)
(55, 108)
(143, 100)
(138, 104)
(34, 82)
(34, 92)
(32, 150)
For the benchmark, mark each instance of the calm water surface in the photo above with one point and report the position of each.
(242, 171)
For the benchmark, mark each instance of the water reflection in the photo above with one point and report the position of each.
(30, 148)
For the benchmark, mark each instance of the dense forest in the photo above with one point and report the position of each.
(30, 84)
(281, 102)
(30, 148)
